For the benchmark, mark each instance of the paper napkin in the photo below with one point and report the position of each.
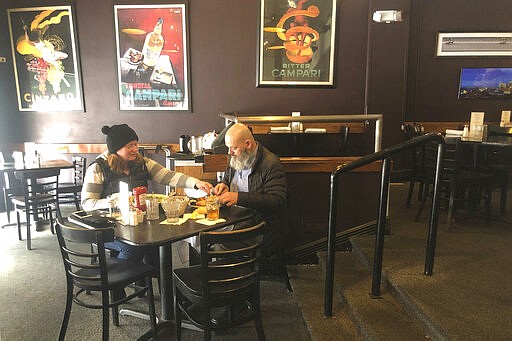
(180, 221)
(210, 222)
(193, 216)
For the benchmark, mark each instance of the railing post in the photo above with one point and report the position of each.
(331, 241)
(381, 223)
(434, 214)
(381, 227)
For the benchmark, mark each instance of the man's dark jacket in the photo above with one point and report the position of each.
(267, 195)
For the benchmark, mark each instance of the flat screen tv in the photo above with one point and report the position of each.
(485, 83)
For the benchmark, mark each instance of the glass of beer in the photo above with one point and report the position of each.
(212, 208)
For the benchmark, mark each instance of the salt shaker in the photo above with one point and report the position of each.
(465, 132)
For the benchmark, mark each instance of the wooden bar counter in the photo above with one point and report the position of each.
(308, 195)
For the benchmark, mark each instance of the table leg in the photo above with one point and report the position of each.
(166, 293)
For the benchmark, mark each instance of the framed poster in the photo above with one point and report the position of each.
(485, 83)
(296, 43)
(152, 57)
(44, 52)
(474, 44)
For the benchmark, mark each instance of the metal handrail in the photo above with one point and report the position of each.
(384, 190)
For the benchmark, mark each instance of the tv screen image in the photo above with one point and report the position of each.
(485, 83)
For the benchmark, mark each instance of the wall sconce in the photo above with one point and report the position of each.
(388, 16)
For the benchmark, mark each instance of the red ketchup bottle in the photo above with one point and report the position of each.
(139, 196)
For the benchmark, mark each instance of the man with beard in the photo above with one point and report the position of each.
(255, 178)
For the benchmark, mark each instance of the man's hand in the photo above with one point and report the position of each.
(228, 198)
(220, 188)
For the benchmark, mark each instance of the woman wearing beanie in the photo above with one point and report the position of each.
(123, 162)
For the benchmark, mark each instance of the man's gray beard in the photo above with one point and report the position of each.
(243, 161)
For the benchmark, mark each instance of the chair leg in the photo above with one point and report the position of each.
(115, 310)
(151, 305)
(177, 314)
(77, 202)
(105, 310)
(255, 306)
(422, 187)
(503, 200)
(29, 242)
(259, 327)
(450, 207)
(207, 335)
(18, 223)
(488, 203)
(67, 312)
(177, 318)
(409, 194)
(422, 204)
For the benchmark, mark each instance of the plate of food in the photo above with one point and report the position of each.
(198, 202)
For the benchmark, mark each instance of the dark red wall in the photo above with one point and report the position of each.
(433, 81)
(389, 69)
(223, 41)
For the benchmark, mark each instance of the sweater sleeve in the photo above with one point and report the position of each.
(164, 176)
(92, 189)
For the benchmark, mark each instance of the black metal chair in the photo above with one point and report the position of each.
(227, 279)
(460, 186)
(40, 187)
(416, 173)
(88, 272)
(498, 161)
(71, 192)
(11, 187)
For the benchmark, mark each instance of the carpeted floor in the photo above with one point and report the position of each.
(32, 284)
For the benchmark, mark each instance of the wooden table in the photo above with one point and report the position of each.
(162, 235)
(480, 148)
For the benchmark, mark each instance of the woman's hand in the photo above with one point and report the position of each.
(204, 186)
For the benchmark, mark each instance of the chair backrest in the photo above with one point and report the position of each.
(230, 263)
(454, 159)
(81, 262)
(12, 185)
(493, 130)
(39, 186)
(79, 165)
(417, 154)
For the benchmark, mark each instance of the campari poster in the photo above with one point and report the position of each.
(46, 64)
(296, 43)
(152, 57)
